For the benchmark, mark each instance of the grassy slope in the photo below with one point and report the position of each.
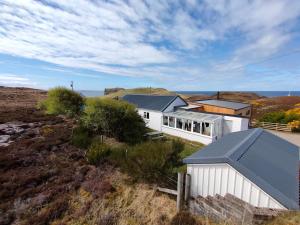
(153, 91)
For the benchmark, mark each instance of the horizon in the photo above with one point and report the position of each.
(180, 46)
(155, 88)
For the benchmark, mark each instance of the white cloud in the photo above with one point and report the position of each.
(146, 38)
(15, 80)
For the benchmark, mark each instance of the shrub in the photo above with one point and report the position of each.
(63, 101)
(295, 125)
(177, 148)
(81, 137)
(148, 160)
(273, 117)
(280, 117)
(97, 152)
(114, 118)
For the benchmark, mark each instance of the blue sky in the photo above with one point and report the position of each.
(179, 45)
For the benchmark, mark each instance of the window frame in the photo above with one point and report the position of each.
(179, 121)
(166, 121)
(146, 115)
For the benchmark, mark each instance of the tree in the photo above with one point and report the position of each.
(62, 101)
(114, 118)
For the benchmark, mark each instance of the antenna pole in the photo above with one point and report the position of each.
(72, 85)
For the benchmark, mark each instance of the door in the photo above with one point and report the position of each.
(227, 128)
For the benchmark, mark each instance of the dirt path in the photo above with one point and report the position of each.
(291, 137)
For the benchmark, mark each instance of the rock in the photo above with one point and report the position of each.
(3, 126)
(4, 138)
(54, 148)
(32, 125)
(18, 130)
(8, 131)
(4, 145)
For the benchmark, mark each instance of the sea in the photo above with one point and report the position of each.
(91, 93)
(88, 93)
(261, 93)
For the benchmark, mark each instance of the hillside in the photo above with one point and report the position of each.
(46, 180)
(152, 91)
(231, 96)
(275, 104)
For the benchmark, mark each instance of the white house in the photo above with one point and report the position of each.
(172, 115)
(253, 165)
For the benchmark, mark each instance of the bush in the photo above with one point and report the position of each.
(63, 101)
(177, 147)
(97, 153)
(273, 117)
(114, 118)
(150, 160)
(280, 117)
(295, 125)
(81, 137)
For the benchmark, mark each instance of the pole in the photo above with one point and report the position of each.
(179, 191)
(187, 187)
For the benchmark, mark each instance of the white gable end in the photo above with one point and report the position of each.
(212, 179)
(177, 102)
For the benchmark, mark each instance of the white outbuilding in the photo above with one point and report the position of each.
(253, 165)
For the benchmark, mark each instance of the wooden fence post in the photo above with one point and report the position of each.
(179, 191)
(187, 187)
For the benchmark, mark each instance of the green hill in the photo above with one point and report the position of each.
(152, 91)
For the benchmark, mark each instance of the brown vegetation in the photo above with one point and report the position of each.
(46, 180)
(275, 104)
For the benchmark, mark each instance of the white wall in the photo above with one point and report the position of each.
(177, 102)
(187, 135)
(211, 179)
(155, 119)
(238, 123)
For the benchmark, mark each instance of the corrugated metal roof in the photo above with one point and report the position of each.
(194, 116)
(151, 102)
(190, 106)
(224, 104)
(268, 161)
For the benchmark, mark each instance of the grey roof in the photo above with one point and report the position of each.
(151, 102)
(268, 161)
(197, 116)
(224, 104)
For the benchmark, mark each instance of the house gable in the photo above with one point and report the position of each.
(267, 160)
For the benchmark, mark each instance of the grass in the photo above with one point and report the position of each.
(153, 91)
(190, 147)
(290, 218)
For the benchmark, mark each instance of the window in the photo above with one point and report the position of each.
(196, 127)
(206, 127)
(187, 125)
(178, 123)
(165, 120)
(146, 115)
(171, 121)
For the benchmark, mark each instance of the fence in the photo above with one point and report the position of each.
(272, 126)
(182, 192)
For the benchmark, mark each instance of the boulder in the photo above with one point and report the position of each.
(4, 138)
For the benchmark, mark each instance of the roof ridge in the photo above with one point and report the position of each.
(240, 149)
(223, 100)
(153, 95)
